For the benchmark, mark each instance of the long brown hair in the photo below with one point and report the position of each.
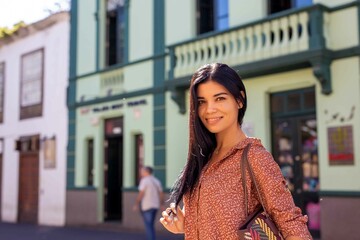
(202, 142)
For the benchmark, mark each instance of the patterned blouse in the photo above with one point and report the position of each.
(216, 208)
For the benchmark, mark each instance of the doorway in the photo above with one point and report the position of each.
(113, 169)
(28, 179)
(295, 149)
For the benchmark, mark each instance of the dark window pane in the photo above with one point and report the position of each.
(294, 102)
(205, 16)
(277, 103)
(115, 32)
(309, 100)
(279, 5)
(90, 162)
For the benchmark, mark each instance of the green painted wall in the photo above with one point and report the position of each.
(346, 88)
(180, 20)
(141, 29)
(130, 78)
(177, 133)
(86, 37)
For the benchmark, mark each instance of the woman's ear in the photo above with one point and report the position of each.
(240, 103)
(242, 94)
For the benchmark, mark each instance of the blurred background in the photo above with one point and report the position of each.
(92, 90)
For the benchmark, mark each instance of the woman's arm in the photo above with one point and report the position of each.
(276, 197)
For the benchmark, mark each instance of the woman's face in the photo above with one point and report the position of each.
(218, 109)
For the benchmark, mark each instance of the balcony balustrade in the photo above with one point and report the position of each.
(278, 35)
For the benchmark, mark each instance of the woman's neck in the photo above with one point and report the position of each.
(225, 141)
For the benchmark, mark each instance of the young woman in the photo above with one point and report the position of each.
(210, 184)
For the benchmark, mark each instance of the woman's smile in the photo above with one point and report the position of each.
(213, 120)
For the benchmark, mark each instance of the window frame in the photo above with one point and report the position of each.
(211, 15)
(115, 54)
(34, 110)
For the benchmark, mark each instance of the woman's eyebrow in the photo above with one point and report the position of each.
(222, 93)
(215, 95)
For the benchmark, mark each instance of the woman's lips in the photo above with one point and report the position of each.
(213, 120)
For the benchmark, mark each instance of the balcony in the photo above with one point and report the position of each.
(286, 41)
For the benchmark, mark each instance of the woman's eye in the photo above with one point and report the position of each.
(200, 102)
(220, 99)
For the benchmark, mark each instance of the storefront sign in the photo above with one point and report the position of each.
(340, 143)
(120, 105)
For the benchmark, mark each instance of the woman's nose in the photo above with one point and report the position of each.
(211, 108)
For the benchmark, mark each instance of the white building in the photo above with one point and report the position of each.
(33, 121)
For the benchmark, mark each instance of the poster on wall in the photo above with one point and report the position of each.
(340, 143)
(50, 153)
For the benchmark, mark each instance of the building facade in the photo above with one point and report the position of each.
(33, 121)
(128, 95)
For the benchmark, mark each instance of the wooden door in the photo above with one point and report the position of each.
(28, 187)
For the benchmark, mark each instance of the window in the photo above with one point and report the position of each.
(212, 15)
(2, 90)
(115, 32)
(90, 162)
(139, 156)
(299, 101)
(281, 5)
(31, 89)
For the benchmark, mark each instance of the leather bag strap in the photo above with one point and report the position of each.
(245, 163)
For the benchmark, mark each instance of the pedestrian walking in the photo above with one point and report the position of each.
(210, 184)
(149, 199)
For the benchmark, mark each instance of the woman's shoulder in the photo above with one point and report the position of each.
(257, 152)
(255, 145)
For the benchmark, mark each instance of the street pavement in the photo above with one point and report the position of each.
(20, 231)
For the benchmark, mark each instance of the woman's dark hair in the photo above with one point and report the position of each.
(202, 142)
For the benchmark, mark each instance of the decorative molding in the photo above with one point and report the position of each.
(321, 70)
(178, 95)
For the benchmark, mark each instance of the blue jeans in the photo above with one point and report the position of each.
(149, 219)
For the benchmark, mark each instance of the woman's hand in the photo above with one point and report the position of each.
(173, 219)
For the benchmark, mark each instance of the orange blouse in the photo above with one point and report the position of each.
(216, 208)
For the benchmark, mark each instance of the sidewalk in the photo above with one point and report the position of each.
(19, 231)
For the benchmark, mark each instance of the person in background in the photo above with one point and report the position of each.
(149, 200)
(210, 185)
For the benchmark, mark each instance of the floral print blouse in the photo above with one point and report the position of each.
(216, 208)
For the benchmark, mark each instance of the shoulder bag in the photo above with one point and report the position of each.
(258, 225)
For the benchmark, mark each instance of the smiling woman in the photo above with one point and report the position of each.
(210, 185)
